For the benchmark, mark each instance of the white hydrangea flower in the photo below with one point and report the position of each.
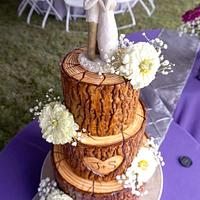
(57, 124)
(144, 165)
(58, 195)
(140, 64)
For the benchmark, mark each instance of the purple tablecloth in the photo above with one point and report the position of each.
(187, 113)
(22, 158)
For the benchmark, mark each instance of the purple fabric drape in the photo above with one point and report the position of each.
(187, 113)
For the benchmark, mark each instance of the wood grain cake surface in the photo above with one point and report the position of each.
(102, 105)
(125, 144)
(82, 189)
(108, 108)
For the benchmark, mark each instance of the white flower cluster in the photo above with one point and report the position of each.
(139, 62)
(142, 168)
(191, 27)
(49, 97)
(48, 191)
(57, 124)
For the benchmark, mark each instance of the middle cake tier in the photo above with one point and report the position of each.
(103, 158)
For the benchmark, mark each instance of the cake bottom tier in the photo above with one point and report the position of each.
(83, 189)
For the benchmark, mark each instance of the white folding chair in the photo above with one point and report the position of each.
(24, 3)
(73, 4)
(148, 10)
(50, 9)
(126, 6)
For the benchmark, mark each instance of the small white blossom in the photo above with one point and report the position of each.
(165, 46)
(84, 130)
(36, 108)
(50, 90)
(57, 124)
(140, 64)
(31, 110)
(142, 167)
(74, 143)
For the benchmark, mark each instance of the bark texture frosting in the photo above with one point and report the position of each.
(114, 119)
(103, 105)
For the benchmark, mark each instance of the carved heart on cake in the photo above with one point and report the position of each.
(100, 167)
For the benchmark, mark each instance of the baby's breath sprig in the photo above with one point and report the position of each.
(49, 97)
(124, 42)
(166, 67)
(116, 61)
(142, 168)
(48, 190)
(45, 187)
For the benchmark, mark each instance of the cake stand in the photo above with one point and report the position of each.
(154, 186)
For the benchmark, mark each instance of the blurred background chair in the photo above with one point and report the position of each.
(24, 3)
(43, 7)
(126, 6)
(74, 9)
(147, 9)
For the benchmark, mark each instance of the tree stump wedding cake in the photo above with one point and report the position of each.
(100, 149)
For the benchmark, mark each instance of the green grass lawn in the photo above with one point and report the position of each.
(30, 56)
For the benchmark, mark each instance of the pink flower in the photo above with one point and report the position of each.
(191, 15)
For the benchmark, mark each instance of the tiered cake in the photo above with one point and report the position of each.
(112, 120)
(100, 150)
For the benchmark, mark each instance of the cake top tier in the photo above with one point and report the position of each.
(102, 106)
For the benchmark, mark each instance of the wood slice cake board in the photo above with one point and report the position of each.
(154, 186)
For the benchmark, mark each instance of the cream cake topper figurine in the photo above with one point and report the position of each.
(107, 34)
(102, 28)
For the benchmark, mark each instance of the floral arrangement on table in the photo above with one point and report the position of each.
(191, 22)
(142, 167)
